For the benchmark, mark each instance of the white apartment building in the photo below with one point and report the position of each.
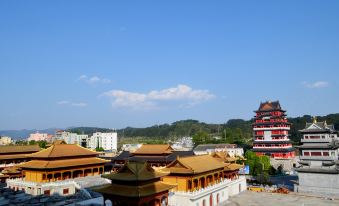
(72, 138)
(4, 140)
(108, 141)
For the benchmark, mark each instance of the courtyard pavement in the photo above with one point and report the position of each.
(248, 198)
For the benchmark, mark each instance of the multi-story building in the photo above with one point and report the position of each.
(72, 138)
(319, 152)
(4, 140)
(231, 149)
(37, 136)
(270, 131)
(107, 141)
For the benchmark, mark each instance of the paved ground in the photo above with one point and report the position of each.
(249, 198)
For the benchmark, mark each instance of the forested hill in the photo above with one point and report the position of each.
(234, 130)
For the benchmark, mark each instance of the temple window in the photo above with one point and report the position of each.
(65, 191)
(325, 153)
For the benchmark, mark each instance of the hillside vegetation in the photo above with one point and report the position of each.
(233, 131)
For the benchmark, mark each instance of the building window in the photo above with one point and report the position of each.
(325, 154)
(315, 153)
(66, 191)
(306, 154)
(47, 192)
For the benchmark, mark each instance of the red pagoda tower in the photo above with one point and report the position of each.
(270, 131)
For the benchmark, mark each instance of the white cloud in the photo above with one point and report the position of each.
(93, 79)
(151, 99)
(63, 102)
(316, 85)
(75, 104)
(80, 104)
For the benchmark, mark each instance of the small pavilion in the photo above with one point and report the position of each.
(136, 184)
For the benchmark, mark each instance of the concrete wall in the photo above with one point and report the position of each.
(323, 184)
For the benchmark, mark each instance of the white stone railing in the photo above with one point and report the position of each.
(7, 165)
(328, 140)
(21, 182)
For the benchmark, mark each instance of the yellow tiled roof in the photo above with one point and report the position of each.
(232, 167)
(19, 149)
(135, 191)
(63, 150)
(46, 164)
(13, 157)
(135, 171)
(194, 165)
(154, 149)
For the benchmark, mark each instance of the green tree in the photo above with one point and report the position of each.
(99, 149)
(200, 138)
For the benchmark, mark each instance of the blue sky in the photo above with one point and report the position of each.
(138, 63)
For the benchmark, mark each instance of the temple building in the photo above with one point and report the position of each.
(11, 156)
(202, 180)
(136, 183)
(319, 152)
(270, 131)
(49, 170)
(157, 155)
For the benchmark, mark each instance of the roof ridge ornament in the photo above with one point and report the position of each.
(314, 119)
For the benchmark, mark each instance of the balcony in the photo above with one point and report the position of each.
(315, 140)
(323, 158)
(271, 128)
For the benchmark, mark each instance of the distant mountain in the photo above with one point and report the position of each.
(24, 133)
(233, 130)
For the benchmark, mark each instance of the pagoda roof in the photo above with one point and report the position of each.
(135, 191)
(63, 150)
(332, 145)
(52, 164)
(19, 149)
(269, 106)
(318, 127)
(194, 165)
(153, 149)
(135, 171)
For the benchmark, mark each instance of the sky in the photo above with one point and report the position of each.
(115, 64)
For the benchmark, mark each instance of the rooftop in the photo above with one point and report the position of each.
(7, 150)
(318, 127)
(194, 165)
(63, 150)
(135, 171)
(135, 191)
(204, 147)
(50, 164)
(149, 149)
(269, 106)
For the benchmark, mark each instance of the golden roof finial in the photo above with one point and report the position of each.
(314, 119)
